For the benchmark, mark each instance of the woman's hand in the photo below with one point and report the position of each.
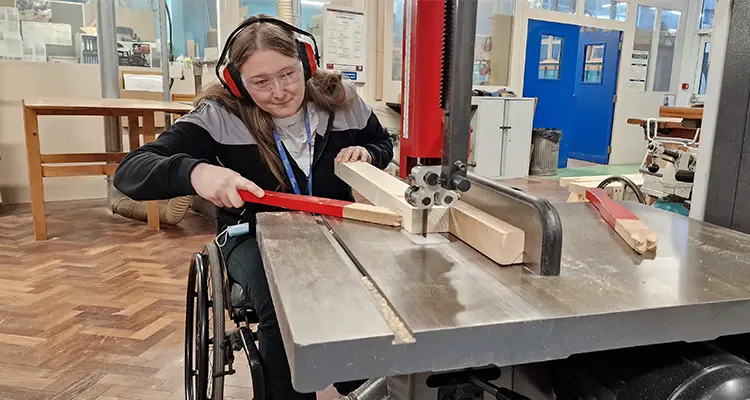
(219, 185)
(354, 153)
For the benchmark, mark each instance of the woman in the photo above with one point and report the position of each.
(228, 143)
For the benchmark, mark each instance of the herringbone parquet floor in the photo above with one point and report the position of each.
(97, 311)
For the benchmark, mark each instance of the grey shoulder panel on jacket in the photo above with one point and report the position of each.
(222, 125)
(356, 115)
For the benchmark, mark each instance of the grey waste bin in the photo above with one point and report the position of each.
(546, 144)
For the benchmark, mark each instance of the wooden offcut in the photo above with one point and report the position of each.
(632, 230)
(500, 241)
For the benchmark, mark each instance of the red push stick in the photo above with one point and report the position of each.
(634, 231)
(323, 206)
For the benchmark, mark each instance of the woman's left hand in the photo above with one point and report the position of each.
(354, 153)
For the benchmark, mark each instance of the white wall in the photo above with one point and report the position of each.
(26, 80)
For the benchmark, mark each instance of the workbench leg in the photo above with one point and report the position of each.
(149, 135)
(36, 181)
(133, 132)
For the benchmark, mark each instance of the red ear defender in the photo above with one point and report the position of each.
(230, 84)
(233, 82)
(311, 58)
(231, 78)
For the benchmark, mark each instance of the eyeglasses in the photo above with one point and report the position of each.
(265, 83)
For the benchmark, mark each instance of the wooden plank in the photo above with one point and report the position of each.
(496, 239)
(500, 241)
(662, 123)
(93, 107)
(54, 171)
(385, 190)
(372, 214)
(323, 206)
(681, 112)
(82, 158)
(634, 231)
(36, 182)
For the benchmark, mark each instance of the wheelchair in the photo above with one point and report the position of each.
(209, 347)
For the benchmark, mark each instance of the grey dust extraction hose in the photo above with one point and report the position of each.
(170, 214)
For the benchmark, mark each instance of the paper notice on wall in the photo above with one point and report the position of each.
(638, 72)
(47, 33)
(637, 86)
(143, 83)
(344, 42)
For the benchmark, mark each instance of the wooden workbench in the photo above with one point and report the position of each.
(674, 122)
(667, 127)
(47, 165)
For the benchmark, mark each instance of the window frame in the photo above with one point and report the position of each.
(704, 37)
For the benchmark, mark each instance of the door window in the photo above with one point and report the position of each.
(707, 14)
(670, 22)
(705, 51)
(549, 57)
(593, 63)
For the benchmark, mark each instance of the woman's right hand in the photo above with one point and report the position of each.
(219, 185)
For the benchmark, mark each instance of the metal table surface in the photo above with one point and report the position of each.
(461, 310)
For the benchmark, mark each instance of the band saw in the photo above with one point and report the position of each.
(579, 315)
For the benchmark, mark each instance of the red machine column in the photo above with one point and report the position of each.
(421, 115)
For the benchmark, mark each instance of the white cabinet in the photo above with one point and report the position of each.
(501, 143)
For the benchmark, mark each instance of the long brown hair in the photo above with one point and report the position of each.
(324, 89)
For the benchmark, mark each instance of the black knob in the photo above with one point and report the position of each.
(426, 201)
(432, 178)
(461, 183)
(653, 168)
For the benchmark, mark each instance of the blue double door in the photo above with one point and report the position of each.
(572, 71)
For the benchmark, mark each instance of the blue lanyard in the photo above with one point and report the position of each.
(285, 158)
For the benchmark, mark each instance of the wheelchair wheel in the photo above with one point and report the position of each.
(216, 289)
(205, 336)
(196, 331)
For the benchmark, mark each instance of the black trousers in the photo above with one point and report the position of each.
(244, 266)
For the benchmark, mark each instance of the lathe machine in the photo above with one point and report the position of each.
(582, 317)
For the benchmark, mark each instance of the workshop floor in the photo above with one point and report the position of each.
(97, 311)
(578, 168)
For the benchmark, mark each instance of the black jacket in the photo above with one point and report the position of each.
(210, 133)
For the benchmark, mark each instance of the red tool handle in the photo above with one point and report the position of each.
(296, 202)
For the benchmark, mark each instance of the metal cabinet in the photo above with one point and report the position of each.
(501, 142)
